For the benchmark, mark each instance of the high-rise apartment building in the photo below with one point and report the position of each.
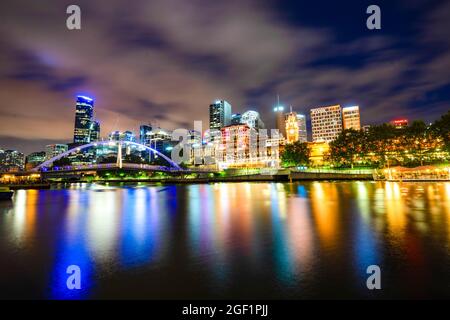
(219, 114)
(279, 120)
(326, 123)
(83, 119)
(351, 118)
(94, 131)
(302, 131)
(53, 150)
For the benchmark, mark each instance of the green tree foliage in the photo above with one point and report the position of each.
(295, 154)
(441, 130)
(385, 145)
(347, 147)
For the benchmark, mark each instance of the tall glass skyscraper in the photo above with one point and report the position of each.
(83, 119)
(94, 131)
(219, 114)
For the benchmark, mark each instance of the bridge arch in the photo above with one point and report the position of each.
(118, 144)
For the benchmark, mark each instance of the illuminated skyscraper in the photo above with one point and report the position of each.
(83, 119)
(236, 118)
(11, 160)
(52, 150)
(280, 122)
(302, 132)
(94, 131)
(252, 119)
(351, 118)
(219, 114)
(34, 159)
(326, 123)
(143, 130)
(122, 136)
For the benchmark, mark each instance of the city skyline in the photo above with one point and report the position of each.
(308, 62)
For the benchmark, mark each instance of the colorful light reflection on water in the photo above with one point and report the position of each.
(236, 240)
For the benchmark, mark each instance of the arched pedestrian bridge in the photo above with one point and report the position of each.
(172, 166)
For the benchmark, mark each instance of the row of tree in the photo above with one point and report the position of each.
(382, 145)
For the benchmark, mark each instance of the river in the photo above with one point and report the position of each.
(303, 240)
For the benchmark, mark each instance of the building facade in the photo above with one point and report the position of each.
(122, 136)
(326, 123)
(94, 131)
(34, 159)
(11, 161)
(252, 119)
(302, 131)
(292, 128)
(53, 150)
(84, 114)
(280, 120)
(219, 114)
(351, 118)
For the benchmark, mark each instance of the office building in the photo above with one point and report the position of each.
(122, 136)
(351, 118)
(326, 123)
(143, 130)
(280, 120)
(219, 114)
(236, 118)
(53, 150)
(34, 159)
(399, 123)
(252, 119)
(94, 131)
(83, 119)
(11, 161)
(302, 131)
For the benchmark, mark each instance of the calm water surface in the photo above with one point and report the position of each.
(228, 240)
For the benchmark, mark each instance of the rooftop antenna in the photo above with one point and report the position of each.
(291, 108)
(278, 100)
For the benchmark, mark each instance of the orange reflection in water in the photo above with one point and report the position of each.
(325, 206)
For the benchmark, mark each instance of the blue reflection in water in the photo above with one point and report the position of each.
(138, 238)
(282, 254)
(366, 251)
(72, 249)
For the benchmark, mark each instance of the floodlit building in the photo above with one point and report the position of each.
(94, 131)
(236, 118)
(34, 159)
(252, 119)
(122, 136)
(302, 131)
(399, 123)
(84, 112)
(292, 128)
(143, 130)
(326, 123)
(279, 120)
(351, 118)
(53, 150)
(11, 161)
(318, 152)
(219, 114)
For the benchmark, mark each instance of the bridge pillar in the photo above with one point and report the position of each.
(119, 155)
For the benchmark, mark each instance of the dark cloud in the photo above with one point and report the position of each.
(164, 61)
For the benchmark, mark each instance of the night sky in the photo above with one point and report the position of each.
(165, 61)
